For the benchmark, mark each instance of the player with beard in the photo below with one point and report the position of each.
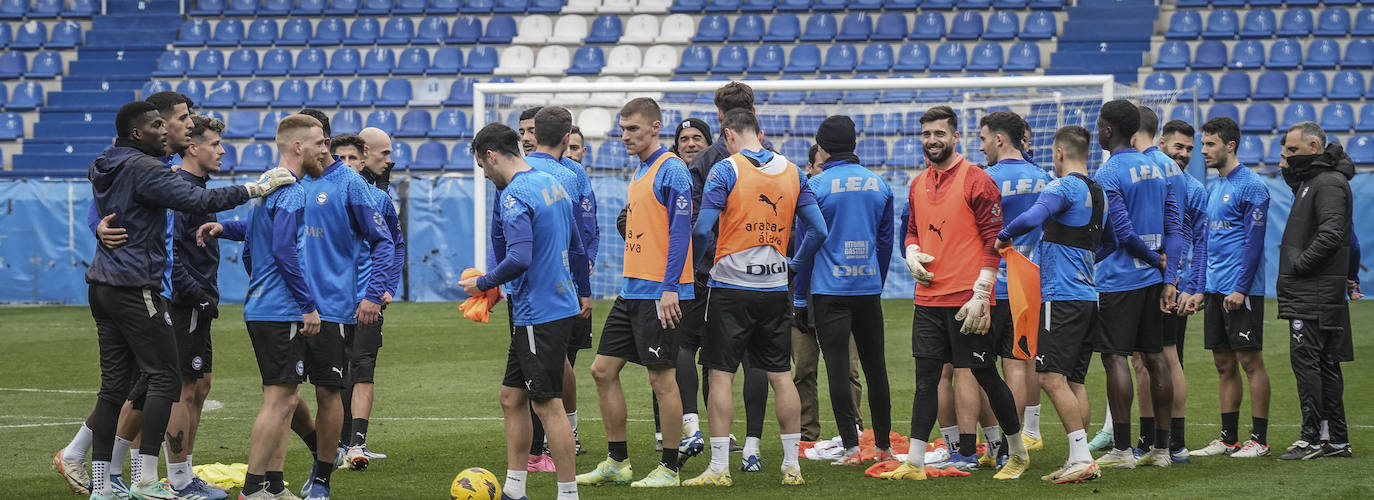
(577, 146)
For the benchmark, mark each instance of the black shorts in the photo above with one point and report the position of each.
(1132, 322)
(748, 326)
(935, 335)
(535, 359)
(581, 335)
(1239, 330)
(633, 333)
(192, 329)
(693, 319)
(280, 349)
(1065, 345)
(135, 336)
(1173, 327)
(1003, 329)
(363, 346)
(325, 360)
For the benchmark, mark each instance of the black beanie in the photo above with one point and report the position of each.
(836, 135)
(695, 123)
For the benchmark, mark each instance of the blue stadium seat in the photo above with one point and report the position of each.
(929, 26)
(787, 97)
(890, 26)
(241, 8)
(461, 157)
(364, 31)
(342, 7)
(395, 93)
(1284, 54)
(898, 5)
(1224, 109)
(207, 7)
(855, 27)
(1333, 22)
(1184, 25)
(722, 5)
(775, 124)
(860, 97)
(349, 122)
(500, 30)
(1361, 149)
(966, 25)
(241, 62)
(12, 64)
(758, 6)
(610, 155)
(1366, 123)
(1003, 25)
(1295, 22)
(193, 89)
(1210, 55)
(794, 5)
(344, 61)
(820, 27)
(409, 7)
(398, 31)
(309, 62)
(257, 94)
(828, 5)
(1309, 84)
(1260, 118)
(27, 96)
(1347, 84)
(5, 34)
(1040, 25)
(805, 58)
(30, 35)
(1251, 150)
(478, 6)
(1359, 53)
(383, 119)
(327, 92)
(451, 124)
(511, 6)
(432, 31)
(1271, 85)
(46, 64)
(295, 33)
(608, 29)
(872, 152)
(1184, 112)
(374, 7)
(1259, 23)
(713, 28)
(228, 33)
(840, 58)
(150, 88)
(748, 28)
(1010, 4)
(1172, 54)
(913, 57)
(308, 7)
(784, 27)
(588, 60)
(733, 59)
(695, 60)
(276, 62)
(360, 94)
(768, 59)
(1337, 117)
(256, 157)
(937, 4)
(465, 30)
(329, 32)
(1247, 54)
(877, 57)
(65, 34)
(1364, 23)
(1298, 112)
(173, 63)
(480, 61)
(987, 56)
(262, 33)
(401, 152)
(292, 94)
(1024, 56)
(1221, 24)
(413, 61)
(685, 6)
(1160, 81)
(415, 123)
(1322, 54)
(1275, 151)
(379, 61)
(795, 150)
(950, 56)
(884, 124)
(221, 94)
(460, 92)
(1198, 82)
(906, 153)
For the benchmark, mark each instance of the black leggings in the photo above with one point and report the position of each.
(836, 318)
(926, 405)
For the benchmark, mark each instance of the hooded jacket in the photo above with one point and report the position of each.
(195, 269)
(1314, 257)
(139, 188)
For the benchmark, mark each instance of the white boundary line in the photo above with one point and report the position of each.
(50, 391)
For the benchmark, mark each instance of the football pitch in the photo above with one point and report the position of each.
(436, 413)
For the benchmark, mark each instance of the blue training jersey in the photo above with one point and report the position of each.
(387, 208)
(721, 181)
(1066, 272)
(673, 189)
(1194, 265)
(1237, 207)
(857, 206)
(277, 290)
(586, 224)
(341, 220)
(545, 291)
(1021, 183)
(1140, 209)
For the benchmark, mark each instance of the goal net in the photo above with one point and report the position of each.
(885, 111)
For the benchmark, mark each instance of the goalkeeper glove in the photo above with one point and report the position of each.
(915, 261)
(974, 313)
(269, 182)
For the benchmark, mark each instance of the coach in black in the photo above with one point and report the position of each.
(132, 320)
(1314, 264)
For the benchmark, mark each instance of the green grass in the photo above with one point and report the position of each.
(437, 413)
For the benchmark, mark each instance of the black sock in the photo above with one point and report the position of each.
(252, 483)
(1121, 435)
(310, 442)
(1147, 437)
(968, 444)
(275, 482)
(359, 431)
(619, 451)
(1176, 434)
(323, 471)
(345, 431)
(1260, 433)
(1003, 450)
(1230, 422)
(1161, 436)
(669, 458)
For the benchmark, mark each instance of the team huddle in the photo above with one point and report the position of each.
(734, 257)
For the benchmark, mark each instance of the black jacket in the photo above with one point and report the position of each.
(140, 189)
(195, 269)
(1314, 256)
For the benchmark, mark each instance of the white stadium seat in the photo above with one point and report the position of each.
(640, 29)
(552, 60)
(623, 60)
(612, 99)
(569, 30)
(540, 99)
(617, 6)
(653, 6)
(515, 60)
(572, 97)
(677, 28)
(659, 60)
(581, 7)
(595, 122)
(534, 30)
(652, 95)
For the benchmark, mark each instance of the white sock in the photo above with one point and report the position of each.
(100, 477)
(76, 450)
(567, 491)
(993, 435)
(515, 483)
(1107, 421)
(190, 466)
(148, 470)
(720, 454)
(1015, 446)
(1078, 447)
(135, 466)
(118, 455)
(179, 474)
(751, 446)
(691, 423)
(951, 436)
(572, 419)
(791, 444)
(1032, 425)
(917, 454)
(1325, 432)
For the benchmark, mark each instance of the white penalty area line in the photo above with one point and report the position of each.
(45, 391)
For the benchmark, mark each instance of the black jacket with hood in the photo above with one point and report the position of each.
(139, 188)
(1314, 255)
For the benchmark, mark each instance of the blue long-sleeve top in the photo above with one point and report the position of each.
(1131, 180)
(587, 225)
(1195, 222)
(854, 255)
(277, 289)
(1066, 272)
(673, 189)
(342, 219)
(1354, 272)
(1237, 208)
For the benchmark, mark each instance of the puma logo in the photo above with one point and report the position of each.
(771, 203)
(337, 370)
(656, 351)
(1244, 335)
(937, 230)
(1297, 337)
(360, 435)
(980, 355)
(1040, 359)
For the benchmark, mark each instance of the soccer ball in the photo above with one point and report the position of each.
(475, 484)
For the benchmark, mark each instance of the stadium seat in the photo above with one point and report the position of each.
(607, 29)
(395, 93)
(193, 89)
(413, 61)
(768, 59)
(460, 159)
(460, 92)
(1347, 84)
(344, 61)
(659, 60)
(65, 34)
(1172, 54)
(855, 27)
(256, 157)
(409, 7)
(1309, 84)
(1322, 54)
(733, 59)
(329, 32)
(46, 64)
(292, 94)
(207, 7)
(478, 6)
(1011, 4)
(257, 94)
(432, 31)
(1337, 117)
(242, 62)
(1271, 85)
(1003, 25)
(326, 93)
(173, 63)
(1040, 25)
(1298, 112)
(805, 58)
(364, 31)
(820, 27)
(758, 6)
(1221, 24)
(379, 61)
(1024, 56)
(451, 124)
(1183, 112)
(877, 57)
(415, 123)
(1259, 23)
(795, 149)
(950, 56)
(840, 58)
(1359, 53)
(872, 152)
(1184, 25)
(793, 5)
(309, 62)
(551, 60)
(913, 57)
(623, 60)
(516, 60)
(1198, 82)
(884, 124)
(500, 30)
(360, 94)
(1275, 151)
(13, 64)
(398, 31)
(193, 33)
(275, 62)
(549, 6)
(1284, 54)
(307, 7)
(401, 153)
(1334, 21)
(1210, 54)
(465, 30)
(987, 56)
(1224, 109)
(906, 153)
(713, 28)
(828, 5)
(5, 34)
(966, 25)
(1160, 81)
(642, 29)
(1260, 118)
(1251, 150)
(617, 6)
(511, 6)
(1364, 23)
(261, 33)
(937, 4)
(27, 96)
(784, 27)
(1247, 54)
(241, 8)
(228, 33)
(610, 155)
(1361, 149)
(679, 28)
(928, 26)
(150, 88)
(748, 28)
(1295, 23)
(30, 35)
(570, 29)
(696, 59)
(383, 119)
